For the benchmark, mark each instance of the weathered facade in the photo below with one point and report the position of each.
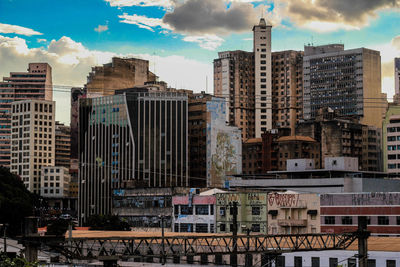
(251, 212)
(296, 147)
(340, 212)
(119, 74)
(287, 89)
(293, 213)
(252, 156)
(391, 139)
(63, 145)
(194, 213)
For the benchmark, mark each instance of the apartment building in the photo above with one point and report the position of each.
(36, 83)
(298, 147)
(32, 140)
(234, 81)
(396, 80)
(287, 89)
(63, 145)
(293, 213)
(391, 140)
(54, 182)
(347, 81)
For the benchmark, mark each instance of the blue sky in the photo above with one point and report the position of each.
(181, 38)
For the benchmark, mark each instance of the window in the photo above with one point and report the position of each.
(398, 220)
(383, 220)
(329, 219)
(371, 263)
(222, 211)
(255, 211)
(347, 220)
(201, 228)
(315, 262)
(352, 262)
(201, 210)
(186, 210)
(222, 227)
(333, 262)
(255, 228)
(390, 263)
(298, 261)
(211, 209)
(280, 261)
(176, 211)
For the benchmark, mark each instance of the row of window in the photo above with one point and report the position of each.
(348, 220)
(188, 210)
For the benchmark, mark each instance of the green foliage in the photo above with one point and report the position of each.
(107, 222)
(17, 262)
(16, 202)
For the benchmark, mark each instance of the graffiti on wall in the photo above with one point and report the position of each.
(224, 144)
(360, 199)
(283, 200)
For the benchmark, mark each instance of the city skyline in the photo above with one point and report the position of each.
(179, 43)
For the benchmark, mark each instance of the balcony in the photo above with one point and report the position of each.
(291, 223)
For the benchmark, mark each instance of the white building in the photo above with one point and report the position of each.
(32, 140)
(55, 182)
(262, 73)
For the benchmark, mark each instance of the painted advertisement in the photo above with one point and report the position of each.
(224, 145)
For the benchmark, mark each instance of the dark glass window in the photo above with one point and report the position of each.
(347, 220)
(329, 219)
(383, 220)
(186, 210)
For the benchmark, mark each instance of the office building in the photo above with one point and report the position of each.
(287, 89)
(234, 81)
(143, 139)
(391, 140)
(215, 148)
(36, 83)
(119, 74)
(347, 81)
(262, 77)
(293, 213)
(63, 145)
(32, 140)
(54, 182)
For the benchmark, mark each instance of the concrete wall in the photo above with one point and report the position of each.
(341, 163)
(300, 164)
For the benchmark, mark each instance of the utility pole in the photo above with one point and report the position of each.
(363, 235)
(233, 261)
(162, 240)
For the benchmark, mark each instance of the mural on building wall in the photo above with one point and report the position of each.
(224, 144)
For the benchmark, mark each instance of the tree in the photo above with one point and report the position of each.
(16, 202)
(107, 222)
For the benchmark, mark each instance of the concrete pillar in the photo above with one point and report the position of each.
(204, 259)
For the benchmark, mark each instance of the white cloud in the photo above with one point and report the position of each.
(144, 22)
(101, 28)
(71, 62)
(208, 41)
(41, 40)
(122, 3)
(7, 28)
(324, 26)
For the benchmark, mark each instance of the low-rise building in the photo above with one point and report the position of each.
(340, 212)
(251, 212)
(296, 147)
(194, 213)
(293, 213)
(252, 156)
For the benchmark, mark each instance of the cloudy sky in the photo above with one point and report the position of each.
(181, 38)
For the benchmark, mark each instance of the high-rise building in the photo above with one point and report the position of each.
(36, 83)
(119, 74)
(262, 77)
(32, 140)
(397, 79)
(287, 89)
(348, 81)
(132, 139)
(391, 139)
(214, 146)
(63, 145)
(234, 81)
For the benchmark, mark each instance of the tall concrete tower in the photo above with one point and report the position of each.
(262, 74)
(397, 78)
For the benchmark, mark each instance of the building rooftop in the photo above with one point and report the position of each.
(296, 138)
